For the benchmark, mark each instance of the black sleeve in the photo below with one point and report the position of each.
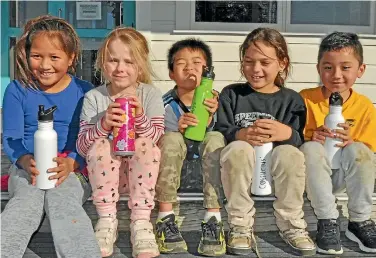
(296, 120)
(225, 122)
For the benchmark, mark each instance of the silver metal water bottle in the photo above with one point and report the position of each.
(331, 121)
(45, 148)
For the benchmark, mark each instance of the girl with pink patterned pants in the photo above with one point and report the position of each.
(123, 60)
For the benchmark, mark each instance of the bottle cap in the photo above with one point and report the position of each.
(208, 72)
(335, 99)
(46, 115)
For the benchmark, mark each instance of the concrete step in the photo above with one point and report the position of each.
(190, 213)
(269, 244)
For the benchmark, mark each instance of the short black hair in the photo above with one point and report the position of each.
(339, 40)
(190, 43)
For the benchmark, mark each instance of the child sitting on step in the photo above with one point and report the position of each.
(47, 54)
(123, 60)
(340, 63)
(241, 118)
(186, 59)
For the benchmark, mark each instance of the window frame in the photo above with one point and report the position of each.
(185, 20)
(323, 28)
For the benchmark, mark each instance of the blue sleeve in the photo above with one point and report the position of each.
(74, 129)
(13, 123)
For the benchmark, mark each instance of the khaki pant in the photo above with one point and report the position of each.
(237, 161)
(356, 176)
(173, 153)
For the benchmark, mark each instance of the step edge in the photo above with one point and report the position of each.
(189, 197)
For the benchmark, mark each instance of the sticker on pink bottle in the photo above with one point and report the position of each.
(125, 136)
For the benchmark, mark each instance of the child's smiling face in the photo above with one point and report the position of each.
(261, 66)
(187, 68)
(339, 70)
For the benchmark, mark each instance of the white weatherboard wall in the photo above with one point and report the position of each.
(157, 21)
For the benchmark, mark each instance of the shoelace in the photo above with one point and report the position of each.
(210, 230)
(296, 233)
(330, 230)
(368, 229)
(169, 227)
(246, 233)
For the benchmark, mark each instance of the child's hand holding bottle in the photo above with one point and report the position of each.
(321, 133)
(343, 134)
(64, 167)
(275, 130)
(212, 105)
(27, 163)
(250, 135)
(187, 119)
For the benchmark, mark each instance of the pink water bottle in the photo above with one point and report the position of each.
(125, 136)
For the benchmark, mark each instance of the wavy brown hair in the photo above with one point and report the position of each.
(272, 38)
(138, 46)
(54, 28)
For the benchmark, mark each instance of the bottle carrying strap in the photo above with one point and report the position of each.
(174, 95)
(193, 151)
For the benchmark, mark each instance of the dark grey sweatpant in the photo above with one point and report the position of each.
(71, 228)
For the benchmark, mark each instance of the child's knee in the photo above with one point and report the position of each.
(357, 152)
(172, 144)
(359, 155)
(312, 148)
(214, 138)
(143, 142)
(101, 145)
(238, 152)
(289, 159)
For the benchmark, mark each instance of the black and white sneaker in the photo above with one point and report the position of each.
(364, 233)
(328, 238)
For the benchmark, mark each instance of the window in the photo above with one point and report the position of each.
(331, 13)
(86, 64)
(22, 11)
(228, 15)
(236, 11)
(286, 16)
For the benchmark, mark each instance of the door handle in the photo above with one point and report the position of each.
(59, 12)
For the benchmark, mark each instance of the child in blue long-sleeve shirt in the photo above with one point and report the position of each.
(46, 51)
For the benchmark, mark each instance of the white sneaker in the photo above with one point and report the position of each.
(143, 240)
(106, 234)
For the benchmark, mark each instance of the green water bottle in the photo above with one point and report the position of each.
(202, 92)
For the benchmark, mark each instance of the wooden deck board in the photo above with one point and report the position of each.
(190, 215)
(270, 245)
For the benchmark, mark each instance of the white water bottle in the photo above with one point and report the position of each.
(332, 120)
(262, 179)
(45, 148)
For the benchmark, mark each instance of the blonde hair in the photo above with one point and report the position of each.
(53, 27)
(138, 46)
